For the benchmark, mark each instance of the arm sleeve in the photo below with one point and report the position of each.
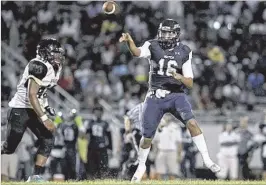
(145, 50)
(37, 71)
(187, 68)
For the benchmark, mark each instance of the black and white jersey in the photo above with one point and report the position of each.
(44, 74)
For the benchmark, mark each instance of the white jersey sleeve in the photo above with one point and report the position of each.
(43, 74)
(145, 51)
(187, 68)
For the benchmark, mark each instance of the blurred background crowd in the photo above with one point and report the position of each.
(229, 58)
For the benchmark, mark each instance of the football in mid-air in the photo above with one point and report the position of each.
(110, 7)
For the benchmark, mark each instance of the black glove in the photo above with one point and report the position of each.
(50, 110)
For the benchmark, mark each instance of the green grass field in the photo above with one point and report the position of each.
(118, 182)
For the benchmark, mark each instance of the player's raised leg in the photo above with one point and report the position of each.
(198, 139)
(183, 108)
(151, 117)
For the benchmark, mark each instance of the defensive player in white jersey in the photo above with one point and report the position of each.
(29, 106)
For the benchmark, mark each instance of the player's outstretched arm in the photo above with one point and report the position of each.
(135, 51)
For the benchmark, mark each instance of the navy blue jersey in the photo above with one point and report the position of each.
(70, 134)
(162, 62)
(100, 136)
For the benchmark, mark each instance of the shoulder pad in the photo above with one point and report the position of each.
(37, 69)
(186, 48)
(153, 41)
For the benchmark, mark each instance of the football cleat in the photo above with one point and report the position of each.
(214, 168)
(138, 174)
(35, 178)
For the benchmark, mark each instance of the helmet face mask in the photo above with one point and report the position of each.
(58, 57)
(50, 50)
(168, 34)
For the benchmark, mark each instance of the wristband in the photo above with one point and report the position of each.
(44, 117)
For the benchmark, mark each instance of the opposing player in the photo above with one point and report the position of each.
(29, 106)
(170, 77)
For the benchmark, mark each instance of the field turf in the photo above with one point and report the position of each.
(155, 182)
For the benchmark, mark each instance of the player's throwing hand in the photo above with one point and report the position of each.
(125, 37)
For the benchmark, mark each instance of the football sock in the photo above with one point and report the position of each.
(38, 170)
(143, 155)
(202, 147)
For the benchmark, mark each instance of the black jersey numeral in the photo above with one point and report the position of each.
(42, 93)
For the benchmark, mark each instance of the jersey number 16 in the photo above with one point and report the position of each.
(166, 66)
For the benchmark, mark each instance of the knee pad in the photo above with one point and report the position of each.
(46, 145)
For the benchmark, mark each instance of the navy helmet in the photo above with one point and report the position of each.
(168, 33)
(50, 50)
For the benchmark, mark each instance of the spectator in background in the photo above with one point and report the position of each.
(245, 148)
(9, 163)
(70, 132)
(100, 144)
(57, 164)
(24, 156)
(107, 55)
(189, 155)
(45, 14)
(261, 139)
(131, 134)
(248, 97)
(256, 81)
(168, 143)
(84, 74)
(10, 21)
(116, 86)
(71, 24)
(5, 90)
(231, 92)
(216, 55)
(69, 83)
(227, 156)
(14, 34)
(101, 86)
